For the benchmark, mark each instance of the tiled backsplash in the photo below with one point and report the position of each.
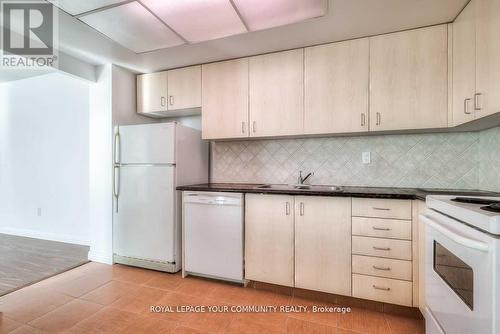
(489, 159)
(446, 160)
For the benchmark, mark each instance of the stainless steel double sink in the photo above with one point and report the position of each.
(303, 187)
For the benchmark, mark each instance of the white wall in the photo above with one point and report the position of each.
(44, 158)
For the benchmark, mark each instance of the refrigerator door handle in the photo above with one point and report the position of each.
(116, 185)
(116, 151)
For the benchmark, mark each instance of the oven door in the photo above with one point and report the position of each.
(458, 278)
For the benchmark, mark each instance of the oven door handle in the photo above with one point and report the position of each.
(459, 239)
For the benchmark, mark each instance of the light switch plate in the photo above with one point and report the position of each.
(366, 157)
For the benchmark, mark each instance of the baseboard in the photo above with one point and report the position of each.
(100, 257)
(44, 235)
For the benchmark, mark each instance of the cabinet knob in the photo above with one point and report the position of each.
(379, 119)
(381, 288)
(301, 209)
(382, 248)
(171, 100)
(466, 106)
(381, 268)
(242, 127)
(162, 101)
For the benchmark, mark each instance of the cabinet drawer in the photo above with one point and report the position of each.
(382, 289)
(389, 248)
(381, 228)
(382, 267)
(381, 208)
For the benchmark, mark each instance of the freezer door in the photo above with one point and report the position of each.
(144, 224)
(146, 144)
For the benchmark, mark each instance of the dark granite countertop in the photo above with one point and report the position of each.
(370, 192)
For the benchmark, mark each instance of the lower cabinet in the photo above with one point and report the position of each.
(299, 241)
(323, 244)
(269, 239)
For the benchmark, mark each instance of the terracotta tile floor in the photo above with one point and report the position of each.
(97, 298)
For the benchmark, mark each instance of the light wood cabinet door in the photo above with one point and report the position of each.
(269, 239)
(464, 65)
(488, 57)
(336, 87)
(323, 244)
(277, 94)
(409, 79)
(225, 99)
(152, 92)
(184, 88)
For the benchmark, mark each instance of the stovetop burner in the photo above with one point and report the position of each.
(473, 200)
(495, 207)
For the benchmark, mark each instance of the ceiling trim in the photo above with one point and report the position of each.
(239, 15)
(100, 9)
(164, 23)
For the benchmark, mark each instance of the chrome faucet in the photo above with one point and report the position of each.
(301, 179)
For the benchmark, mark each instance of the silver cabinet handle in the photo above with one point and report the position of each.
(382, 248)
(379, 119)
(253, 126)
(382, 268)
(171, 100)
(242, 127)
(301, 209)
(381, 288)
(116, 147)
(287, 208)
(162, 101)
(466, 107)
(476, 101)
(380, 228)
(381, 209)
(363, 119)
(116, 185)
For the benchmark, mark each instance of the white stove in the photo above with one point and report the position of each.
(460, 208)
(462, 264)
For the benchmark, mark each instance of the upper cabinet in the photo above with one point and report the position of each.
(152, 93)
(487, 98)
(476, 64)
(225, 99)
(184, 88)
(276, 93)
(336, 87)
(464, 66)
(409, 79)
(170, 93)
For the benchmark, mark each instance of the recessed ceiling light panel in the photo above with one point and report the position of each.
(134, 27)
(198, 20)
(75, 7)
(264, 14)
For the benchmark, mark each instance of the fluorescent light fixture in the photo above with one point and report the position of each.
(134, 27)
(198, 20)
(75, 7)
(264, 14)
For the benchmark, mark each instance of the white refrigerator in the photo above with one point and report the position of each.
(150, 161)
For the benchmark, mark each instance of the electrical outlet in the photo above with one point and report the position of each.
(39, 212)
(366, 157)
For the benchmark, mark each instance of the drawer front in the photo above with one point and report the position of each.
(389, 248)
(381, 228)
(381, 208)
(382, 267)
(382, 289)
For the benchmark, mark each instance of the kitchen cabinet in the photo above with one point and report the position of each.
(184, 88)
(409, 79)
(170, 93)
(269, 239)
(152, 93)
(336, 87)
(476, 65)
(225, 99)
(323, 244)
(464, 65)
(487, 57)
(276, 93)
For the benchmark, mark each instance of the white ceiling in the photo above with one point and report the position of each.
(345, 19)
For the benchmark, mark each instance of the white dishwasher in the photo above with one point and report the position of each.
(213, 235)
